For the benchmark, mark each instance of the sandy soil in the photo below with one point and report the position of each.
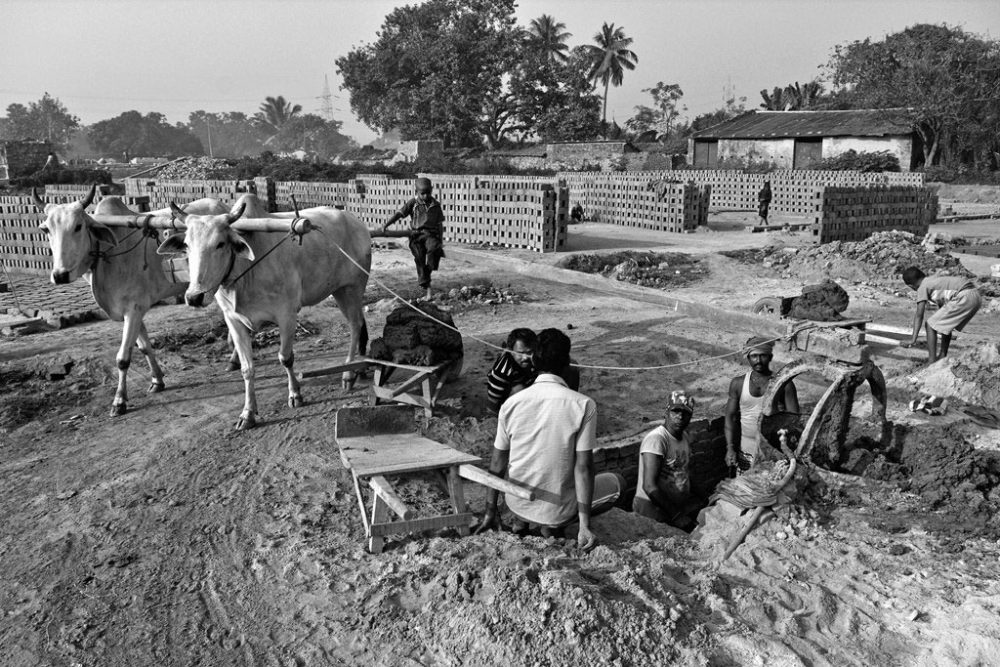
(164, 538)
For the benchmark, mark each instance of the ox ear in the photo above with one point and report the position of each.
(103, 234)
(174, 245)
(241, 247)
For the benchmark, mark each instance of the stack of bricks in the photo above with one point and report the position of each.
(792, 190)
(161, 193)
(621, 198)
(24, 248)
(855, 213)
(707, 466)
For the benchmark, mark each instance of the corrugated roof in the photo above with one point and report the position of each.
(773, 124)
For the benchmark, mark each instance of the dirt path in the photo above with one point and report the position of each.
(164, 538)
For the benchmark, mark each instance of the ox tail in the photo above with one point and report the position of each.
(363, 338)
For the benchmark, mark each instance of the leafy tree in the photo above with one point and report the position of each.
(661, 118)
(47, 119)
(549, 37)
(793, 97)
(229, 134)
(133, 134)
(437, 70)
(732, 108)
(318, 137)
(276, 111)
(946, 79)
(554, 101)
(609, 58)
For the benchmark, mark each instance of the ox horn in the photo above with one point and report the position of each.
(233, 217)
(178, 212)
(89, 199)
(38, 200)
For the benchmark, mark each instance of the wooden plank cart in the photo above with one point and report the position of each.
(376, 442)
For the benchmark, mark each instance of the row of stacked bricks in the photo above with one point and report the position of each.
(161, 193)
(792, 190)
(621, 198)
(514, 212)
(855, 213)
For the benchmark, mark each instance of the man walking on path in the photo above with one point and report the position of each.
(426, 231)
(746, 400)
(545, 438)
(957, 300)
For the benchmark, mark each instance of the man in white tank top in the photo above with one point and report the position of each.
(746, 400)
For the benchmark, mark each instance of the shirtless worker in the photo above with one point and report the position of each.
(746, 400)
(426, 231)
(957, 300)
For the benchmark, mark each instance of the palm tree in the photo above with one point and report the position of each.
(275, 112)
(550, 38)
(609, 59)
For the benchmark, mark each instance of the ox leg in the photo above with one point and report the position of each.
(130, 332)
(234, 357)
(286, 355)
(241, 339)
(350, 300)
(156, 384)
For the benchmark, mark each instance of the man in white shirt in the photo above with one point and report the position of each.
(545, 439)
(663, 491)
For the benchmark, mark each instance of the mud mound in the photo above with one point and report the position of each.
(972, 376)
(469, 297)
(410, 336)
(880, 258)
(49, 385)
(195, 168)
(648, 269)
(958, 482)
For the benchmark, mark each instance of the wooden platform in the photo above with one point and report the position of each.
(378, 441)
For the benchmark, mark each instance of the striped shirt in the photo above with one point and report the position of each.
(543, 427)
(506, 373)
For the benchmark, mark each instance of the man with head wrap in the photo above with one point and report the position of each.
(746, 400)
(426, 230)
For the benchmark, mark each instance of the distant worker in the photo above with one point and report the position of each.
(576, 214)
(545, 440)
(957, 300)
(764, 202)
(663, 491)
(426, 232)
(746, 400)
(513, 369)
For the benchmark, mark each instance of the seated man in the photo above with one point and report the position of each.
(545, 440)
(663, 492)
(957, 300)
(512, 371)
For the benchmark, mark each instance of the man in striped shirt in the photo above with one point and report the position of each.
(512, 370)
(957, 300)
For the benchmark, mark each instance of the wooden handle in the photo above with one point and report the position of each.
(480, 476)
(381, 486)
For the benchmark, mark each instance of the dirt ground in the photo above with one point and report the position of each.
(162, 537)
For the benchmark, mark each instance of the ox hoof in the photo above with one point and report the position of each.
(156, 387)
(295, 402)
(233, 366)
(246, 422)
(118, 409)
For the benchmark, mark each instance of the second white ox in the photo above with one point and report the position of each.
(257, 278)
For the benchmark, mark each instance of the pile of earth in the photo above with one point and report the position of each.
(418, 333)
(958, 485)
(481, 294)
(195, 168)
(973, 376)
(51, 383)
(879, 258)
(649, 269)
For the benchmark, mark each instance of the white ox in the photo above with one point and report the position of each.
(256, 280)
(125, 274)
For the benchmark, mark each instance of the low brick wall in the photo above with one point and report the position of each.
(708, 457)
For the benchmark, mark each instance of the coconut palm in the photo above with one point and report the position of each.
(608, 59)
(550, 38)
(275, 112)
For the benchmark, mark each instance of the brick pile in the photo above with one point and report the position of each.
(855, 213)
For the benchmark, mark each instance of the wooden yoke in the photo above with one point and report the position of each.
(297, 226)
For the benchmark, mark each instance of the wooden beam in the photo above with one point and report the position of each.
(339, 368)
(480, 476)
(380, 485)
(418, 525)
(139, 221)
(412, 382)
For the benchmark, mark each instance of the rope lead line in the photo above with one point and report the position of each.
(501, 349)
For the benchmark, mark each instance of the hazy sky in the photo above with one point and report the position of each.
(103, 57)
